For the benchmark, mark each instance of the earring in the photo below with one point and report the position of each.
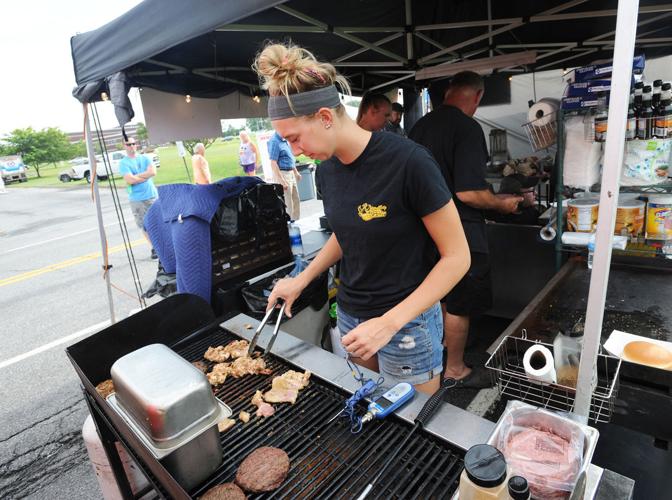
(327, 125)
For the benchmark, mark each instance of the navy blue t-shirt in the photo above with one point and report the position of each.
(458, 144)
(375, 206)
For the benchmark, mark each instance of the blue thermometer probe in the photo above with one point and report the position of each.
(389, 402)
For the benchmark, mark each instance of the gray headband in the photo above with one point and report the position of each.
(303, 103)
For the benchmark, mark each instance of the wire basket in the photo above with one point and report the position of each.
(506, 365)
(541, 133)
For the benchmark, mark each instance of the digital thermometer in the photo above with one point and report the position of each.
(389, 402)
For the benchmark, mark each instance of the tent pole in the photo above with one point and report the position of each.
(626, 29)
(96, 194)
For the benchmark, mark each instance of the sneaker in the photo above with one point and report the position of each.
(153, 255)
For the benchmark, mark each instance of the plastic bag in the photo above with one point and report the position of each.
(646, 162)
(255, 296)
(545, 449)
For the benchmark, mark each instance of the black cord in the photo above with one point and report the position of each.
(118, 210)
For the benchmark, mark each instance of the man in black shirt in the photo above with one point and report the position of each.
(457, 142)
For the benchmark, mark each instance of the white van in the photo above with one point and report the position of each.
(81, 169)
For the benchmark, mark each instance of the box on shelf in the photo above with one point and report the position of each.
(599, 71)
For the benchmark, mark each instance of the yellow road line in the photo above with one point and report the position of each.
(66, 263)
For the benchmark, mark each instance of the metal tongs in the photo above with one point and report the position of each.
(267, 316)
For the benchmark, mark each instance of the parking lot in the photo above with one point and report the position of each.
(52, 293)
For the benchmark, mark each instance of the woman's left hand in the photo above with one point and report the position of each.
(369, 337)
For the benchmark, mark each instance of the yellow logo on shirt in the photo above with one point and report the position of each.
(368, 212)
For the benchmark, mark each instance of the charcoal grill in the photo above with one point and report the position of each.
(326, 461)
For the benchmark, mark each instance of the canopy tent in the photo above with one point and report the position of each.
(204, 48)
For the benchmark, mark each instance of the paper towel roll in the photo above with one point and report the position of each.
(582, 240)
(541, 112)
(539, 365)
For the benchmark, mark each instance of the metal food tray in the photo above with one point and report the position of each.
(590, 436)
(156, 448)
(506, 365)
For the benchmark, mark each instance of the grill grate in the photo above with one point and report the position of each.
(326, 461)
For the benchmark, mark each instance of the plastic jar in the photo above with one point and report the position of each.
(484, 474)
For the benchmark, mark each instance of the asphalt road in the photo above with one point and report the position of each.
(52, 293)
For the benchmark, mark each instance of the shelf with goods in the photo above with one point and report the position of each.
(660, 250)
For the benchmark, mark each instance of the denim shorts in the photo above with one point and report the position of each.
(415, 353)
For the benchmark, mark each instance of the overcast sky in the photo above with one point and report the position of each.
(37, 76)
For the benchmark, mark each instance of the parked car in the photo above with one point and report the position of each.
(13, 169)
(81, 169)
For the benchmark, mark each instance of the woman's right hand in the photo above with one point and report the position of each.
(287, 289)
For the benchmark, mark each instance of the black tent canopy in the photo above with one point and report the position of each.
(205, 47)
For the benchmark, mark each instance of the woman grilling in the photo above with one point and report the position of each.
(390, 211)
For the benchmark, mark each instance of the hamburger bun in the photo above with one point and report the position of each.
(648, 353)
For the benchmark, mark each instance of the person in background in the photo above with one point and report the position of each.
(285, 173)
(247, 154)
(374, 112)
(457, 142)
(138, 171)
(394, 125)
(390, 210)
(200, 165)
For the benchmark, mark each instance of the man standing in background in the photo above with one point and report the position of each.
(394, 125)
(457, 142)
(374, 112)
(200, 165)
(138, 171)
(285, 173)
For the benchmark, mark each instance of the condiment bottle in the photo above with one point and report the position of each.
(518, 488)
(567, 354)
(631, 126)
(646, 114)
(663, 126)
(484, 474)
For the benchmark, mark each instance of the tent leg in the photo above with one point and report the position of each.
(626, 29)
(96, 194)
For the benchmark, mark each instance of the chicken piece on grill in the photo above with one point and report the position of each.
(248, 366)
(225, 424)
(237, 348)
(216, 354)
(200, 365)
(232, 350)
(218, 374)
(244, 417)
(105, 388)
(263, 408)
(285, 388)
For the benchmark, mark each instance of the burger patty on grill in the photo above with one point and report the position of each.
(225, 491)
(263, 470)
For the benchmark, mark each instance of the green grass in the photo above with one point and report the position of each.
(222, 157)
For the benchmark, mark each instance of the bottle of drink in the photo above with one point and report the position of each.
(591, 251)
(601, 118)
(295, 239)
(646, 114)
(631, 125)
(663, 125)
(297, 249)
